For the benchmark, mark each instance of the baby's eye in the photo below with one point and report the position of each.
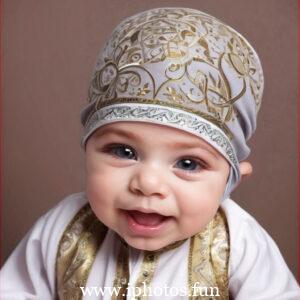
(188, 164)
(122, 151)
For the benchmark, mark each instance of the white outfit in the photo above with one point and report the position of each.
(256, 267)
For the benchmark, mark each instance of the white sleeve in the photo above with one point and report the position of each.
(257, 269)
(29, 273)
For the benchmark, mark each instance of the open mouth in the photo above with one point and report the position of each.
(146, 219)
(148, 224)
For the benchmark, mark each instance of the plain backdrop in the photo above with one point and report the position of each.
(50, 47)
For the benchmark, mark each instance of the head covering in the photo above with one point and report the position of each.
(182, 68)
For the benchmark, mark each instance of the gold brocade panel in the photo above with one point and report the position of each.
(207, 260)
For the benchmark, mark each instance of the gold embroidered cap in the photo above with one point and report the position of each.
(182, 68)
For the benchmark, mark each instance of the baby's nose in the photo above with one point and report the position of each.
(149, 181)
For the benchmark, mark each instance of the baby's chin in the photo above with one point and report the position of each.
(147, 244)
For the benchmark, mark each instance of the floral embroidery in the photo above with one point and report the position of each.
(178, 56)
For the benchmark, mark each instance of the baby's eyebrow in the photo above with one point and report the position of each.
(191, 145)
(106, 131)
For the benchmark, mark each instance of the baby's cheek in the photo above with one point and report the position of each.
(198, 217)
(215, 187)
(197, 208)
(194, 208)
(99, 195)
(97, 188)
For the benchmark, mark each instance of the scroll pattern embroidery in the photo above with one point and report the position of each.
(182, 57)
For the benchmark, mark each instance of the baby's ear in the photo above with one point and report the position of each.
(246, 169)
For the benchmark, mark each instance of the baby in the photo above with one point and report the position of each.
(173, 100)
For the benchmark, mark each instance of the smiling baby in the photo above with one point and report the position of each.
(172, 102)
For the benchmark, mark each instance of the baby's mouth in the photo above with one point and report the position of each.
(146, 219)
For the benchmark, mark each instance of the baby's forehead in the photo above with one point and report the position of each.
(150, 133)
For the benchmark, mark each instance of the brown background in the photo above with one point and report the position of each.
(50, 47)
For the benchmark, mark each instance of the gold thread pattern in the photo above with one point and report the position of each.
(208, 260)
(146, 273)
(76, 253)
(122, 272)
(178, 56)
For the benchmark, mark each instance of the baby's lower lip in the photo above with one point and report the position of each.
(145, 227)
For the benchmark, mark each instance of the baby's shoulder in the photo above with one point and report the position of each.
(34, 259)
(241, 224)
(248, 239)
(67, 207)
(50, 227)
(256, 266)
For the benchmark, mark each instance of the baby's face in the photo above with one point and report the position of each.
(152, 184)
